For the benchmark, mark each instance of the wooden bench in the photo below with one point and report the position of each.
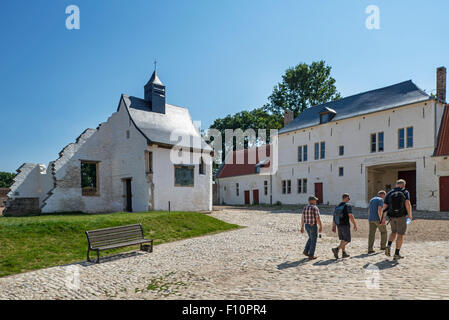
(117, 237)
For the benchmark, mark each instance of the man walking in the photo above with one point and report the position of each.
(342, 216)
(398, 205)
(310, 219)
(377, 221)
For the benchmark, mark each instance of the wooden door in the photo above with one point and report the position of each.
(129, 199)
(319, 192)
(256, 196)
(247, 197)
(444, 194)
(410, 179)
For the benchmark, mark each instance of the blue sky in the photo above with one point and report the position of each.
(216, 57)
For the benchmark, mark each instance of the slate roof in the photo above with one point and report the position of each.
(163, 128)
(154, 79)
(239, 169)
(360, 104)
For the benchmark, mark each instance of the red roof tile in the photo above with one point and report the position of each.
(232, 168)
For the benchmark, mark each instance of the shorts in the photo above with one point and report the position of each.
(399, 225)
(344, 232)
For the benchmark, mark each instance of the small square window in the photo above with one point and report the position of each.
(380, 139)
(90, 178)
(373, 142)
(184, 176)
(341, 171)
(401, 138)
(410, 137)
(323, 150)
(341, 150)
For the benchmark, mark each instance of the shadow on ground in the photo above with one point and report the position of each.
(382, 265)
(109, 258)
(293, 264)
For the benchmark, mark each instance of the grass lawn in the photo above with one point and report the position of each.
(30, 243)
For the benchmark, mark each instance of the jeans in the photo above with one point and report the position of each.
(373, 226)
(312, 232)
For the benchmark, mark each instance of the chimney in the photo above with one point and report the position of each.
(288, 117)
(441, 84)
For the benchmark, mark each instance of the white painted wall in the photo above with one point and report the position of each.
(33, 181)
(354, 134)
(198, 197)
(227, 189)
(122, 157)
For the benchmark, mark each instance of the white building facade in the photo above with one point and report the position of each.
(360, 145)
(129, 163)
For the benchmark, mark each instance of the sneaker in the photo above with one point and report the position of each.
(371, 251)
(387, 251)
(312, 258)
(397, 257)
(335, 251)
(345, 255)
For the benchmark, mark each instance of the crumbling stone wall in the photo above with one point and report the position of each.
(21, 207)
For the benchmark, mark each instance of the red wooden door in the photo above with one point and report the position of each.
(256, 196)
(410, 179)
(444, 194)
(319, 192)
(247, 197)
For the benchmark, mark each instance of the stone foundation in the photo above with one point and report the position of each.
(21, 207)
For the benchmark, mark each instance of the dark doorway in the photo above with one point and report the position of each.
(319, 192)
(256, 196)
(129, 196)
(247, 197)
(410, 179)
(444, 194)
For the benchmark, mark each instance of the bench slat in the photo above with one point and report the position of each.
(116, 235)
(123, 244)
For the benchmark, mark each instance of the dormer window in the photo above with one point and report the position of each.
(326, 115)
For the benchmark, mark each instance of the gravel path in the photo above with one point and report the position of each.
(261, 261)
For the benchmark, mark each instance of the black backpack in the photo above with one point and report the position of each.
(396, 205)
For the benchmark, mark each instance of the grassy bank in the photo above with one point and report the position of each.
(31, 243)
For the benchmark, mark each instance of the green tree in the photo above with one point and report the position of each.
(255, 119)
(6, 179)
(302, 87)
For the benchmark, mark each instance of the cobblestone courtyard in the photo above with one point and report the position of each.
(261, 261)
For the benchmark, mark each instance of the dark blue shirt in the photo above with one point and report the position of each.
(406, 193)
(374, 205)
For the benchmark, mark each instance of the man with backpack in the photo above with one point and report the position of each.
(342, 216)
(398, 207)
(377, 221)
